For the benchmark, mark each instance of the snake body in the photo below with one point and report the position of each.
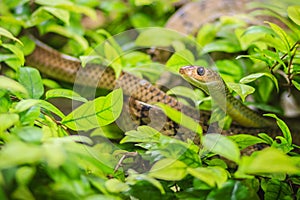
(187, 19)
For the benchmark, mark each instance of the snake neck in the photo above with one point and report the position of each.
(236, 109)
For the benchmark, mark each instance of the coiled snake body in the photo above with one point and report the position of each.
(186, 20)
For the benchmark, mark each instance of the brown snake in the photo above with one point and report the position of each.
(187, 20)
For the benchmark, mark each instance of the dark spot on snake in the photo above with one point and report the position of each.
(200, 71)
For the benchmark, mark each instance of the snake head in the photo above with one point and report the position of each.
(201, 77)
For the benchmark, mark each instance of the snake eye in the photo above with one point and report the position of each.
(200, 71)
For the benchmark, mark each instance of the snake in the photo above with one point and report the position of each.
(144, 94)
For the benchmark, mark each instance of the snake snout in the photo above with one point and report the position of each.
(186, 70)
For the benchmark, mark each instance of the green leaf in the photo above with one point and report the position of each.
(206, 34)
(6, 33)
(241, 89)
(18, 52)
(65, 93)
(213, 176)
(157, 37)
(24, 175)
(19, 153)
(179, 59)
(282, 35)
(13, 86)
(253, 77)
(267, 161)
(221, 45)
(276, 189)
(169, 169)
(99, 112)
(244, 140)
(116, 186)
(57, 12)
(222, 146)
(233, 190)
(113, 58)
(32, 81)
(143, 134)
(28, 103)
(294, 13)
(296, 84)
(134, 178)
(284, 128)
(7, 120)
(30, 134)
(181, 118)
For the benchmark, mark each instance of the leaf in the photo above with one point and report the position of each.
(99, 112)
(13, 86)
(61, 14)
(143, 134)
(296, 84)
(32, 81)
(244, 140)
(213, 176)
(179, 59)
(267, 161)
(157, 37)
(276, 189)
(284, 128)
(6, 33)
(253, 77)
(221, 45)
(169, 169)
(181, 118)
(222, 146)
(7, 120)
(134, 178)
(116, 186)
(28, 103)
(294, 13)
(206, 34)
(233, 190)
(19, 153)
(241, 89)
(66, 93)
(18, 52)
(113, 58)
(282, 35)
(30, 134)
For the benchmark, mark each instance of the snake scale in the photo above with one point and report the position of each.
(187, 20)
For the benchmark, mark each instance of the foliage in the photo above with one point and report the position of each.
(46, 153)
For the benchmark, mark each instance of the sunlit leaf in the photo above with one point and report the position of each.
(222, 146)
(32, 81)
(181, 118)
(99, 112)
(296, 84)
(179, 59)
(213, 176)
(241, 89)
(245, 140)
(12, 86)
(18, 52)
(65, 93)
(168, 169)
(116, 186)
(6, 33)
(8, 120)
(284, 128)
(294, 13)
(269, 160)
(253, 77)
(157, 37)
